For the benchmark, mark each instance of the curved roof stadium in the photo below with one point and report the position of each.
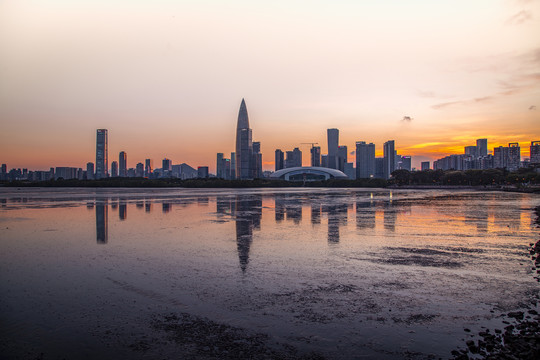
(307, 173)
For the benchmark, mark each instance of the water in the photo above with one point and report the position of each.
(88, 273)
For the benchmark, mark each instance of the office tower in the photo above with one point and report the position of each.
(342, 157)
(514, 156)
(147, 168)
(535, 153)
(114, 169)
(315, 156)
(349, 170)
(244, 145)
(256, 161)
(324, 160)
(481, 147)
(406, 163)
(279, 160)
(227, 168)
(139, 170)
(365, 160)
(333, 140)
(202, 172)
(233, 166)
(389, 158)
(166, 168)
(471, 151)
(90, 170)
(424, 165)
(102, 162)
(4, 171)
(293, 158)
(122, 162)
(220, 171)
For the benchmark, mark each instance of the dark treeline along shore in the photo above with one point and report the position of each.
(522, 179)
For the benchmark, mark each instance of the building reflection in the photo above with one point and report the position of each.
(165, 207)
(365, 214)
(123, 211)
(247, 214)
(147, 206)
(337, 217)
(102, 222)
(315, 213)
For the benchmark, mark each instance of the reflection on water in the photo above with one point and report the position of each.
(366, 272)
(102, 223)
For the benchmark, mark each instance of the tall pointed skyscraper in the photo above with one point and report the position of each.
(244, 145)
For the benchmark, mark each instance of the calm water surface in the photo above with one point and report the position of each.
(344, 273)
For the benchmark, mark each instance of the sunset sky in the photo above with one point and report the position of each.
(166, 77)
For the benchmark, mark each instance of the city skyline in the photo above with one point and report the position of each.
(164, 78)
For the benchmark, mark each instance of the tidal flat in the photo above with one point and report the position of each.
(303, 273)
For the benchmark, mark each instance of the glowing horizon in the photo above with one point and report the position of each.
(166, 78)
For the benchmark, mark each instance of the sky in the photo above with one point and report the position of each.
(166, 77)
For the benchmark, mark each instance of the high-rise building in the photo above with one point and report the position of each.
(481, 147)
(424, 165)
(244, 145)
(471, 150)
(293, 158)
(147, 168)
(324, 160)
(256, 160)
(220, 171)
(102, 162)
(122, 164)
(114, 169)
(379, 168)
(333, 141)
(500, 157)
(535, 152)
(233, 166)
(90, 170)
(389, 158)
(342, 157)
(405, 163)
(166, 168)
(139, 170)
(279, 160)
(202, 172)
(315, 156)
(514, 156)
(365, 160)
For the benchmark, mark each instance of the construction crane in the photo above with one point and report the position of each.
(310, 143)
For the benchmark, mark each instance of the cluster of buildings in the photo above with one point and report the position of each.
(477, 157)
(246, 161)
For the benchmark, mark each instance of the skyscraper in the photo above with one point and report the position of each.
(244, 145)
(315, 156)
(90, 171)
(102, 162)
(147, 167)
(481, 147)
(365, 160)
(114, 169)
(256, 160)
(122, 164)
(279, 160)
(424, 165)
(535, 152)
(342, 157)
(514, 156)
(220, 166)
(389, 158)
(333, 140)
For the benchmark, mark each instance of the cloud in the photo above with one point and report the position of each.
(407, 119)
(519, 18)
(446, 104)
(532, 107)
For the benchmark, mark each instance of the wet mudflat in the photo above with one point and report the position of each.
(300, 273)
